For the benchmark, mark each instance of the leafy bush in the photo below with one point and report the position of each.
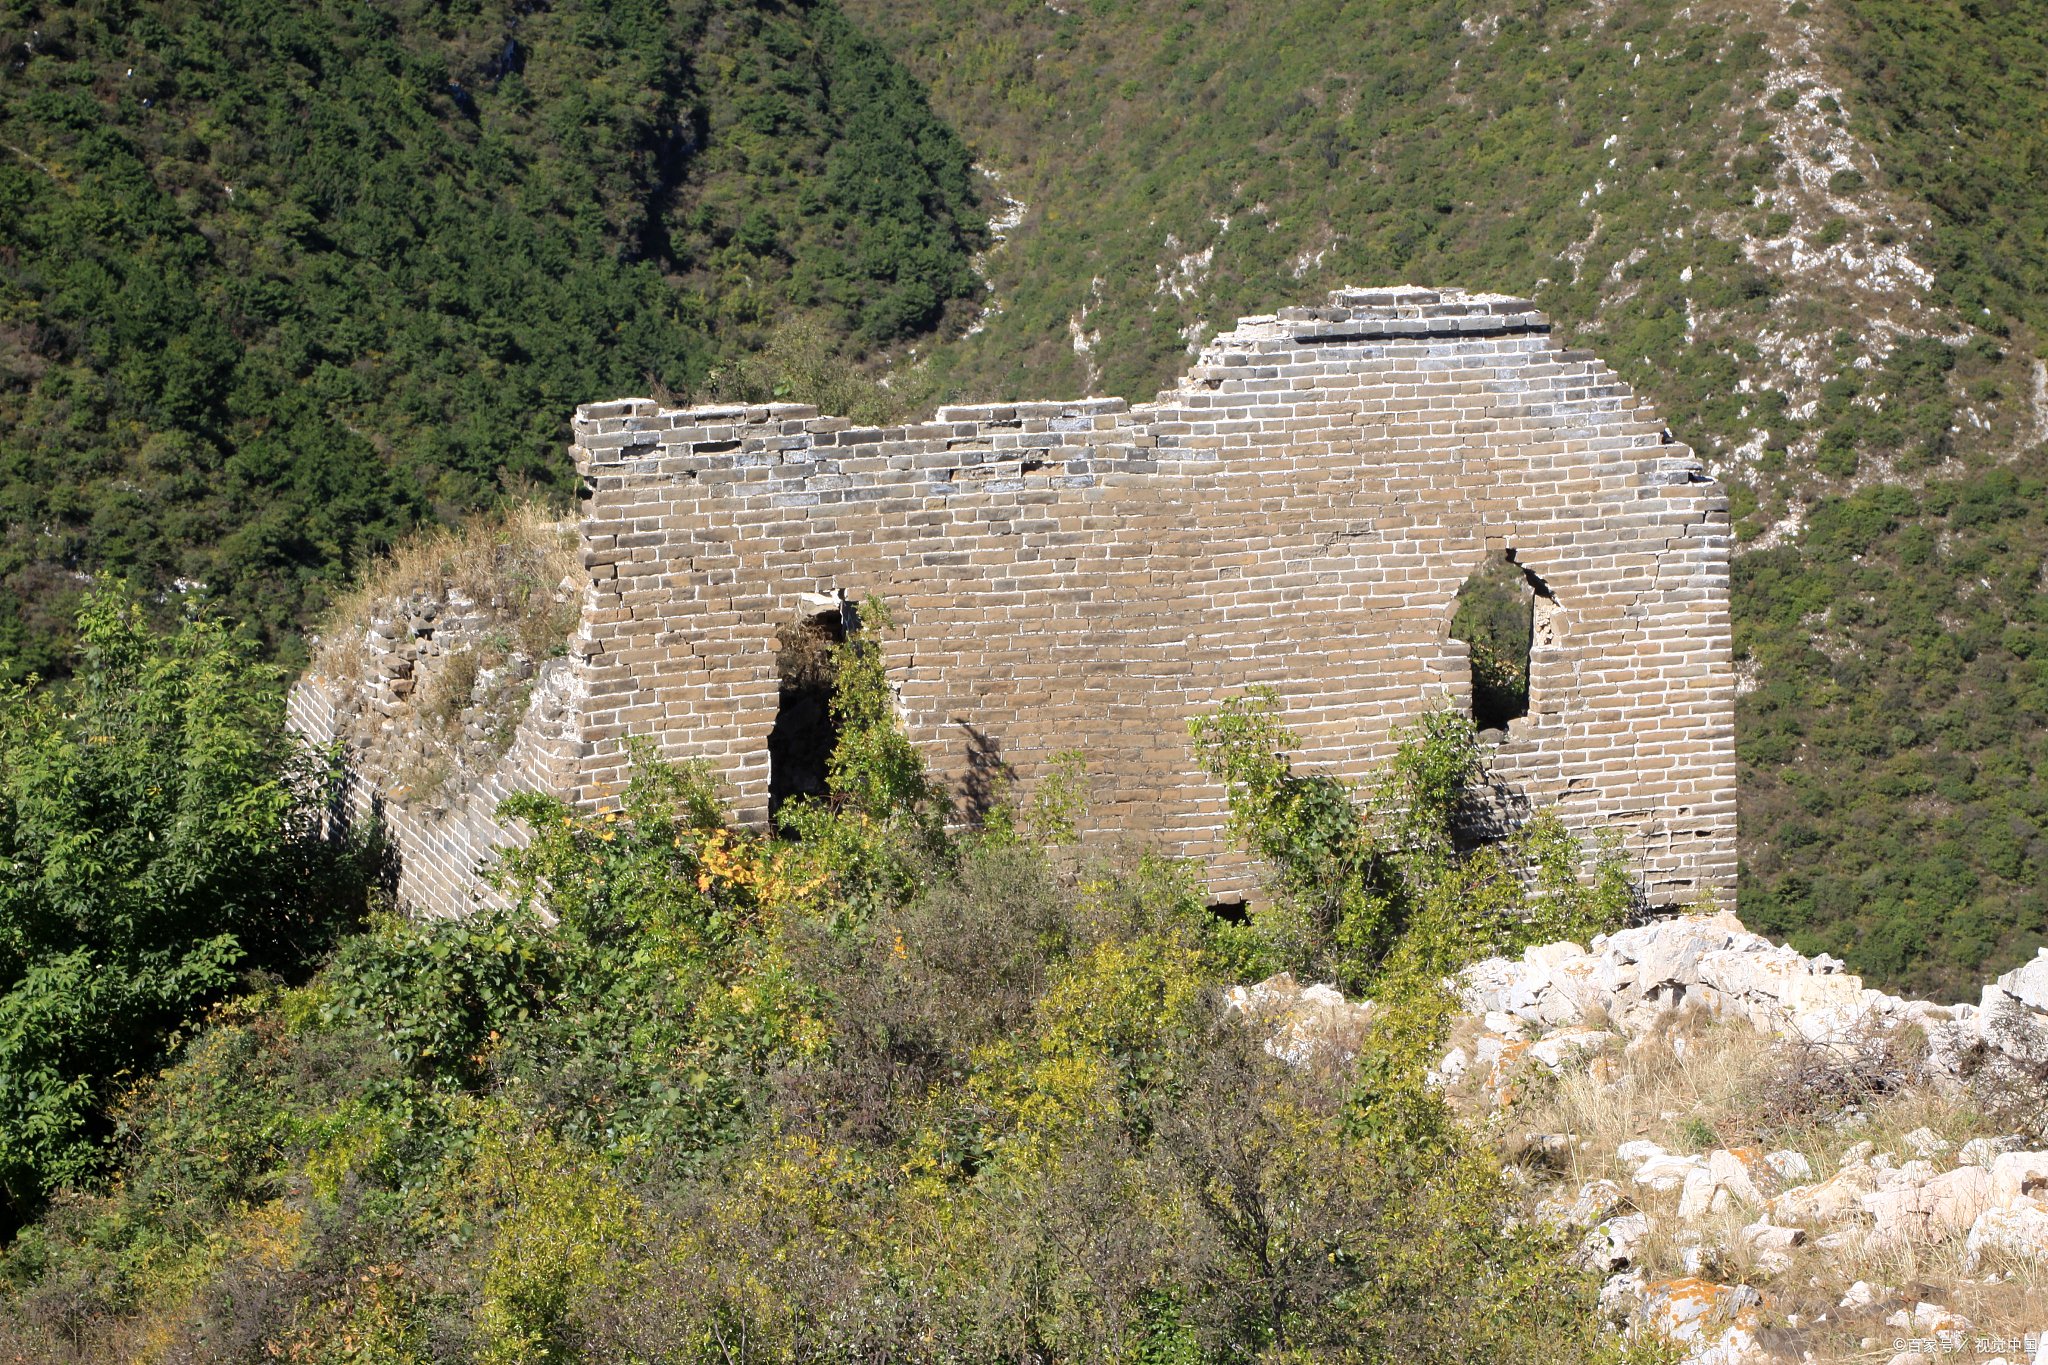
(162, 838)
(897, 1090)
(1428, 870)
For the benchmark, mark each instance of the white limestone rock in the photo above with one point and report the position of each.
(2017, 1174)
(1926, 1142)
(2028, 983)
(1983, 1151)
(1789, 1166)
(2019, 1230)
(1710, 1188)
(1596, 1199)
(1559, 1048)
(1614, 1244)
(1667, 1171)
(1305, 1026)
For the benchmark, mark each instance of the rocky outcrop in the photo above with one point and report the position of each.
(1728, 1213)
(1633, 976)
(1312, 1026)
(1629, 981)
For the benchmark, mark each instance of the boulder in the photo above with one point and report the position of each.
(2020, 1230)
(1725, 1177)
(2014, 1174)
(1667, 1170)
(1716, 1323)
(1621, 1295)
(1557, 1049)
(1483, 986)
(1864, 1294)
(1926, 1142)
(1305, 1026)
(1597, 1199)
(1915, 1209)
(1983, 1151)
(1770, 1237)
(1789, 1165)
(1841, 1193)
(2028, 983)
(1614, 1244)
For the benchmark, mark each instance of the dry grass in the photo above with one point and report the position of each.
(1694, 1086)
(478, 607)
(510, 565)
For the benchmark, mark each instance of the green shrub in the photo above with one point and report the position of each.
(1381, 893)
(1836, 455)
(164, 838)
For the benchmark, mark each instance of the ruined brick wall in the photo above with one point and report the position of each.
(1299, 513)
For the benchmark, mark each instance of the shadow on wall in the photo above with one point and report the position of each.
(988, 773)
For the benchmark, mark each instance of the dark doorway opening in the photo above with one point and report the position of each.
(1232, 912)
(1495, 616)
(801, 743)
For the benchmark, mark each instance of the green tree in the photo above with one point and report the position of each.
(158, 841)
(1423, 870)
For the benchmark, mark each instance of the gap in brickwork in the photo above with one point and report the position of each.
(801, 743)
(1232, 911)
(1495, 617)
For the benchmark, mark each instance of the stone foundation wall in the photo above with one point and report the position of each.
(1300, 512)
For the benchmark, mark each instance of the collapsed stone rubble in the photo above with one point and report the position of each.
(1559, 1002)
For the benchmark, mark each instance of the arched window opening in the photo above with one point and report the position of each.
(1495, 617)
(800, 746)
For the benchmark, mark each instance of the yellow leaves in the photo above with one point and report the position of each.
(807, 1034)
(1123, 994)
(373, 1319)
(797, 1173)
(354, 1138)
(769, 874)
(1098, 1029)
(563, 1212)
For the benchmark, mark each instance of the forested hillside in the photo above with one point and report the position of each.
(1815, 235)
(277, 281)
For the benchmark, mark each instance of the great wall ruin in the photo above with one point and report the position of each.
(1299, 512)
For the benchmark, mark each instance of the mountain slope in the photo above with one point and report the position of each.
(1814, 235)
(278, 280)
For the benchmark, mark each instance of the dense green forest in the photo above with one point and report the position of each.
(278, 281)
